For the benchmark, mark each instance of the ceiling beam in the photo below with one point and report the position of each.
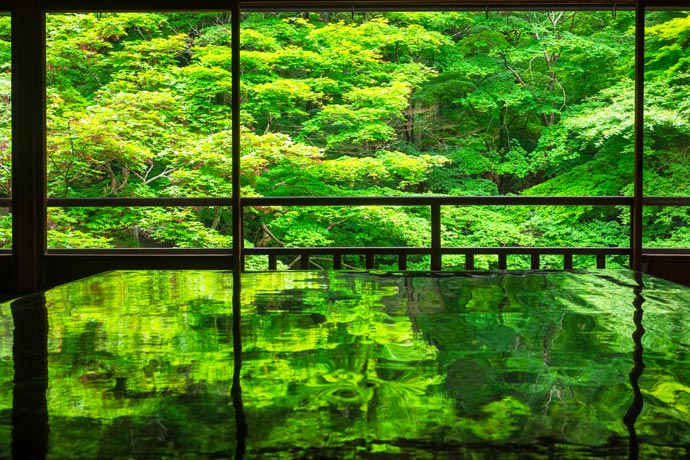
(431, 5)
(343, 5)
(340, 5)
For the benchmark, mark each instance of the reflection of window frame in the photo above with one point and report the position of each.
(33, 263)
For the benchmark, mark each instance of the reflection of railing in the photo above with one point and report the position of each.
(305, 257)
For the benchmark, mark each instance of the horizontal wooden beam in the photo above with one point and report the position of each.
(131, 202)
(666, 200)
(132, 5)
(648, 253)
(326, 5)
(428, 200)
(338, 5)
(53, 254)
(419, 200)
(431, 5)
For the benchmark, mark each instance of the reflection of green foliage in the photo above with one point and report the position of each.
(140, 363)
(6, 380)
(502, 419)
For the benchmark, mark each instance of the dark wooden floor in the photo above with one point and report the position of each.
(672, 267)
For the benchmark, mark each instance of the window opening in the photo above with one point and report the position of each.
(139, 107)
(399, 104)
(342, 104)
(667, 130)
(5, 134)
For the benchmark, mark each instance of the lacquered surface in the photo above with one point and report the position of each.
(349, 365)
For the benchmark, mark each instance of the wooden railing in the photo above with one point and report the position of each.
(336, 254)
(310, 257)
(306, 257)
(436, 250)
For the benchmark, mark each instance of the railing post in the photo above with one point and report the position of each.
(601, 261)
(469, 261)
(567, 261)
(369, 261)
(304, 261)
(502, 261)
(402, 262)
(436, 237)
(534, 262)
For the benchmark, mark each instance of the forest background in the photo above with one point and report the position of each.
(375, 104)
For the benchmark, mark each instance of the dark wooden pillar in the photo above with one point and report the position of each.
(638, 194)
(237, 214)
(28, 147)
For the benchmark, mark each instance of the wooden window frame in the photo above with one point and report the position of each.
(34, 266)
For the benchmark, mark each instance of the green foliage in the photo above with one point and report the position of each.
(64, 232)
(483, 226)
(356, 226)
(5, 229)
(366, 122)
(5, 137)
(389, 169)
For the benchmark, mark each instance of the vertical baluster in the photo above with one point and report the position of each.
(369, 261)
(534, 263)
(601, 261)
(469, 261)
(436, 237)
(304, 261)
(402, 262)
(567, 261)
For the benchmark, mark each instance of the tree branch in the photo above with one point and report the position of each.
(513, 71)
(334, 224)
(146, 180)
(270, 234)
